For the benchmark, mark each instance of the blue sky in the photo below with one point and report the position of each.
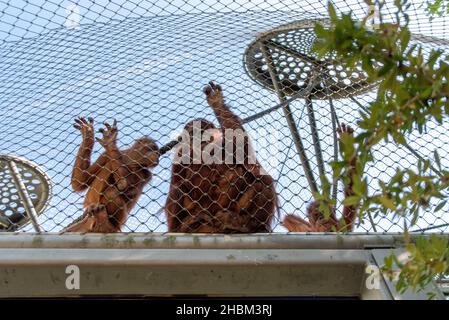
(28, 18)
(145, 65)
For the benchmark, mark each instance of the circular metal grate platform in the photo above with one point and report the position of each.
(25, 191)
(296, 65)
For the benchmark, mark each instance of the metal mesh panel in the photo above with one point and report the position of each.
(145, 63)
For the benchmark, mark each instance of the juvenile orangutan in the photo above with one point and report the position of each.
(114, 182)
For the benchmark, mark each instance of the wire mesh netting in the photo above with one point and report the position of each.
(145, 64)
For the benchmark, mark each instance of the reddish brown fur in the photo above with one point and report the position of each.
(316, 220)
(114, 182)
(220, 198)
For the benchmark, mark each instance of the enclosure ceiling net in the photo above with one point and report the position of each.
(145, 63)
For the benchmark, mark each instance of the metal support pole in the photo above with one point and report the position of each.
(290, 120)
(315, 137)
(417, 155)
(358, 103)
(301, 93)
(24, 196)
(4, 222)
(335, 125)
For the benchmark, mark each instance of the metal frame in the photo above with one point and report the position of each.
(265, 43)
(290, 120)
(22, 190)
(268, 265)
(24, 196)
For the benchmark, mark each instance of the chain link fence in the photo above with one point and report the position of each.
(145, 64)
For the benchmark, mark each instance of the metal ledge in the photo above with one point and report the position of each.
(178, 257)
(162, 265)
(205, 241)
(196, 272)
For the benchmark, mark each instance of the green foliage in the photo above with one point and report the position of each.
(437, 7)
(426, 258)
(413, 89)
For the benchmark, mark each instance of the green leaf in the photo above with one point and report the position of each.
(434, 55)
(351, 201)
(388, 67)
(405, 38)
(440, 206)
(387, 203)
(332, 12)
(437, 159)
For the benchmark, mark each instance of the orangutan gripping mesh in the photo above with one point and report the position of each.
(159, 67)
